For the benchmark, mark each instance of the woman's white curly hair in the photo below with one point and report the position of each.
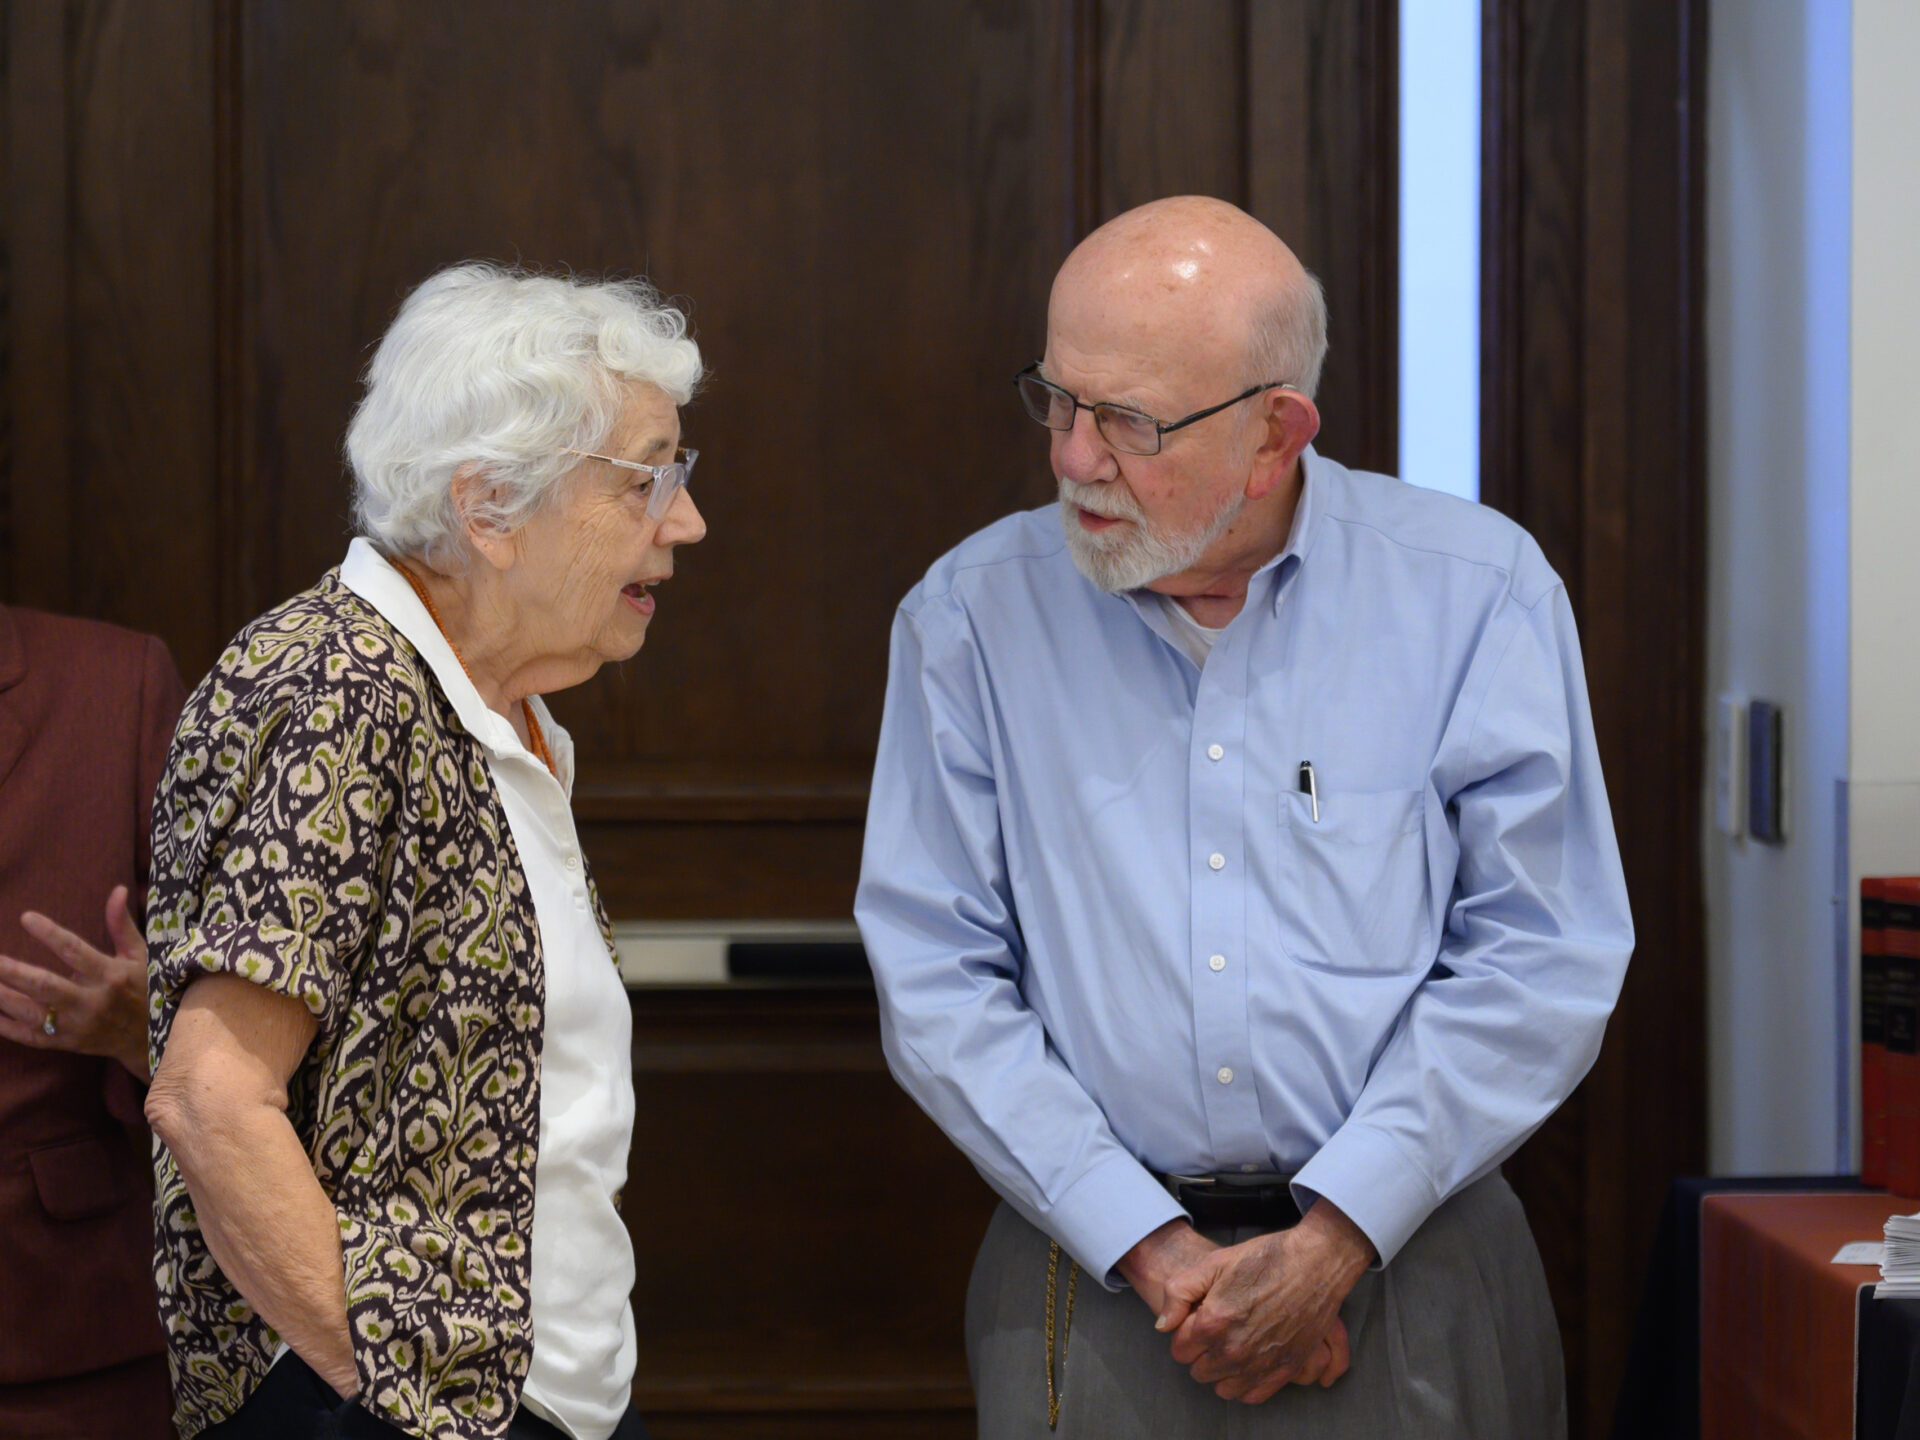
(501, 371)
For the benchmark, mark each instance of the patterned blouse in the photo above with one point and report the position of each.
(328, 829)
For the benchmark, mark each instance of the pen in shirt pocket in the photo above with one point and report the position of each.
(1310, 787)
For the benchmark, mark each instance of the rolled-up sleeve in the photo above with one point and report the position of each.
(936, 914)
(1534, 952)
(270, 841)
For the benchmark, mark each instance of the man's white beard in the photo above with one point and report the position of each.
(1127, 557)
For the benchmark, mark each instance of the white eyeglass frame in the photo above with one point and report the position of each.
(667, 480)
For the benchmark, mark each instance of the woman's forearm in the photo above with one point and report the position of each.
(273, 1232)
(219, 1103)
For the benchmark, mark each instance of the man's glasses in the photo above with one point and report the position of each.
(1133, 432)
(663, 481)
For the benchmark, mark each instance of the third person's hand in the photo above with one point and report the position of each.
(93, 1003)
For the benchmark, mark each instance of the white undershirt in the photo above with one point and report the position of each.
(582, 1261)
(1194, 639)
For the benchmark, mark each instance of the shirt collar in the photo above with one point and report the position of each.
(1306, 524)
(376, 580)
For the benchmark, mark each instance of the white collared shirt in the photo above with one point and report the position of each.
(582, 1262)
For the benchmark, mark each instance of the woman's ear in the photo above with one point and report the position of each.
(471, 490)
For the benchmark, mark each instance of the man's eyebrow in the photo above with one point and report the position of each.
(1122, 400)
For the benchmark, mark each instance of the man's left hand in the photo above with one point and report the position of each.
(1249, 1318)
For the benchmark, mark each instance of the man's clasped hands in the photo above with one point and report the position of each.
(1251, 1318)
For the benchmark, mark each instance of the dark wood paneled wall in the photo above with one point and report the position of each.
(1592, 437)
(212, 208)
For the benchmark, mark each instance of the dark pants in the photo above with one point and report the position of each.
(294, 1403)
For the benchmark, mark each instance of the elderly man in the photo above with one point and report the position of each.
(1240, 888)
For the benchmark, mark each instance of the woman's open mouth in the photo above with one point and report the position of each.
(636, 595)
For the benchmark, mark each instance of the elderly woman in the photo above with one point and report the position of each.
(392, 1081)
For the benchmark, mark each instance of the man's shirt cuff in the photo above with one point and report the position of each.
(1106, 1212)
(1375, 1184)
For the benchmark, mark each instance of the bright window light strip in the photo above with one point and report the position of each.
(1440, 245)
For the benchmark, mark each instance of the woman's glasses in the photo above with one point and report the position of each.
(664, 481)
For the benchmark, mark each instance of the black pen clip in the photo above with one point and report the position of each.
(1310, 786)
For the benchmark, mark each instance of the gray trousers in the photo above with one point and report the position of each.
(1456, 1338)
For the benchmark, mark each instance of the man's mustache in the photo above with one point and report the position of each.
(1109, 500)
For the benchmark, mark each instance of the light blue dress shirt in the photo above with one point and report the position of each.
(1109, 935)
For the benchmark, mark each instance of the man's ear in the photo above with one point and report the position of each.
(1289, 421)
(471, 489)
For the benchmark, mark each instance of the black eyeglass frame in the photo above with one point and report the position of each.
(1161, 428)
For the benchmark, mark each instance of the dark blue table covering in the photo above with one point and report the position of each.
(1660, 1395)
(1887, 1391)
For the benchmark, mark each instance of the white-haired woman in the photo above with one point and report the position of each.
(393, 1083)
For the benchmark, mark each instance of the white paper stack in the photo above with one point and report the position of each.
(1900, 1265)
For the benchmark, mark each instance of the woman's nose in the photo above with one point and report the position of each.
(682, 524)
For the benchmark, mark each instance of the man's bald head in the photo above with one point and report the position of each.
(1191, 276)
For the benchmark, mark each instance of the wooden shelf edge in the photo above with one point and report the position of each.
(703, 1394)
(799, 793)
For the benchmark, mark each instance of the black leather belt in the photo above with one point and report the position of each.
(1234, 1199)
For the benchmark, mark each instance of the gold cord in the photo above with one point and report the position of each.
(1054, 1393)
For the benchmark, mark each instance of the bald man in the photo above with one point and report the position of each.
(1240, 888)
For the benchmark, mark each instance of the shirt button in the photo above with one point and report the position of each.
(1216, 752)
(1217, 860)
(1224, 1075)
(573, 862)
(1216, 962)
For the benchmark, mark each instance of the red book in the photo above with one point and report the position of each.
(1901, 1034)
(1873, 1031)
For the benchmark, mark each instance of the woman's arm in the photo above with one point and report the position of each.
(219, 1101)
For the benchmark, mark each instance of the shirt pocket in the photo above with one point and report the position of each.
(1351, 892)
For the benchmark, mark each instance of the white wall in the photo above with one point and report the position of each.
(1883, 790)
(1814, 538)
(1886, 391)
(1440, 245)
(1776, 319)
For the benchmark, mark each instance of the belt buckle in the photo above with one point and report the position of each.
(1179, 1185)
(1224, 1198)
